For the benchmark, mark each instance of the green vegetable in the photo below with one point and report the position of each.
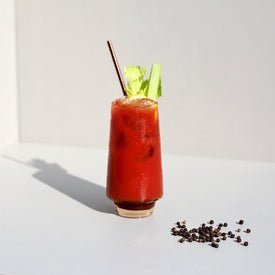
(150, 87)
(136, 82)
(154, 83)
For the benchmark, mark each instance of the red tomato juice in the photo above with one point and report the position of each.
(134, 164)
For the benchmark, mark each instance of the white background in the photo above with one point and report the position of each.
(8, 92)
(218, 71)
(57, 220)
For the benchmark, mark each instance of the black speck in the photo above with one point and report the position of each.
(150, 153)
(121, 141)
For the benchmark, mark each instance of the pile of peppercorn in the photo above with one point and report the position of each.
(205, 233)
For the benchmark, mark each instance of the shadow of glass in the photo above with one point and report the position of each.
(83, 191)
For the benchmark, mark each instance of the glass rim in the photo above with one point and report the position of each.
(118, 102)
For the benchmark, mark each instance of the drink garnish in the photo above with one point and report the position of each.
(136, 85)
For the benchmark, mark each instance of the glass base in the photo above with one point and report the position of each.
(134, 209)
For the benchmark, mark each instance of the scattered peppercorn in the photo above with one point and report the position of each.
(206, 233)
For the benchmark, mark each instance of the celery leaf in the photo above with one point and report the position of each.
(150, 88)
(136, 83)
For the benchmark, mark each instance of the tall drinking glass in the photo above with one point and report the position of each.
(134, 179)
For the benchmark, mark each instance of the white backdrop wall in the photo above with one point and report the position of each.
(218, 71)
(8, 92)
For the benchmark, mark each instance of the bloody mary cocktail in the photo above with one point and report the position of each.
(134, 180)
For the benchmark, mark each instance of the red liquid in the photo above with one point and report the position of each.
(134, 165)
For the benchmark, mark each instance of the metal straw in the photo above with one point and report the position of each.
(118, 71)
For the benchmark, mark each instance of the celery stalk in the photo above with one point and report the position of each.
(154, 85)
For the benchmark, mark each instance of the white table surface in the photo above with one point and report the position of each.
(55, 218)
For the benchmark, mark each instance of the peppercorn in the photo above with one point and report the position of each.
(248, 230)
(224, 238)
(215, 245)
(245, 243)
(211, 222)
(175, 231)
(182, 239)
(225, 224)
(241, 222)
(239, 230)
